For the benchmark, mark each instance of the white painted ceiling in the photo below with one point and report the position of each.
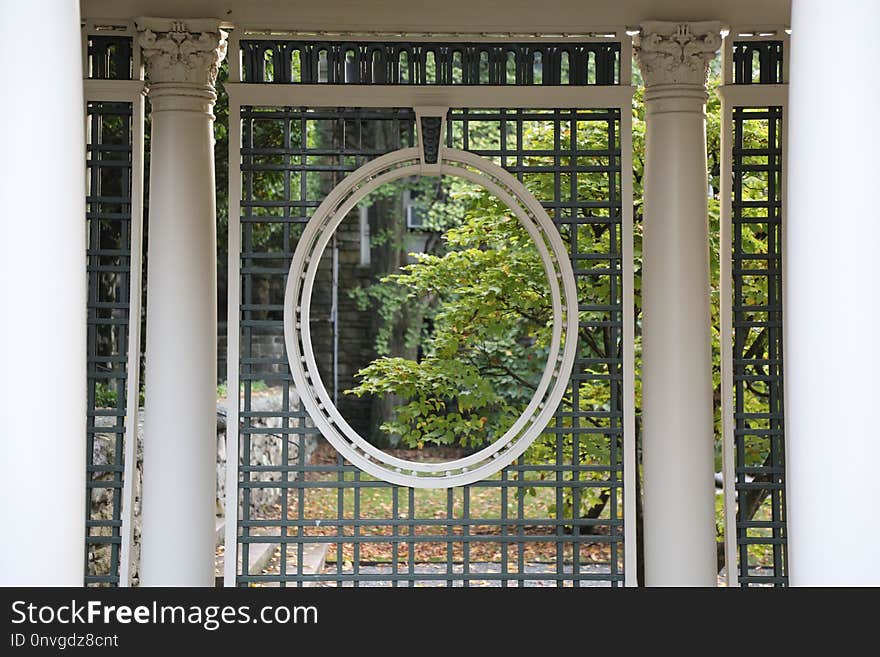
(447, 15)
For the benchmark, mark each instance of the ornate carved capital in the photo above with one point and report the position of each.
(677, 53)
(188, 50)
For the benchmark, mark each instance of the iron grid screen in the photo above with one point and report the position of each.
(758, 62)
(487, 534)
(415, 63)
(109, 57)
(757, 350)
(108, 263)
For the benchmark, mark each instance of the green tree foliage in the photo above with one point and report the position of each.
(482, 360)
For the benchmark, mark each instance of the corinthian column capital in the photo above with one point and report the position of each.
(185, 51)
(677, 53)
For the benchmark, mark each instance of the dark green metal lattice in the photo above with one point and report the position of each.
(108, 264)
(275, 143)
(759, 428)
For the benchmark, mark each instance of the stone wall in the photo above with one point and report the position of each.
(265, 449)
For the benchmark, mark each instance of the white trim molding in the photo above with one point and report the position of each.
(129, 91)
(326, 95)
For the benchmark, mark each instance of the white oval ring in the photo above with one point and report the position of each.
(297, 334)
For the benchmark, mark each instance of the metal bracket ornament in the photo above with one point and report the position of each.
(431, 122)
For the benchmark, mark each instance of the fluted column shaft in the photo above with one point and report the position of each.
(180, 438)
(678, 450)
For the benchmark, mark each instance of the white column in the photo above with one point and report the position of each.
(678, 449)
(181, 349)
(832, 310)
(43, 298)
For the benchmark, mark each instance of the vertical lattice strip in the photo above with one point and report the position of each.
(109, 222)
(757, 344)
(754, 97)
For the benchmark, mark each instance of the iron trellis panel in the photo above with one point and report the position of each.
(108, 263)
(309, 62)
(110, 57)
(758, 62)
(759, 437)
(579, 183)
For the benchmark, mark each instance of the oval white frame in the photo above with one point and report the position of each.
(297, 333)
